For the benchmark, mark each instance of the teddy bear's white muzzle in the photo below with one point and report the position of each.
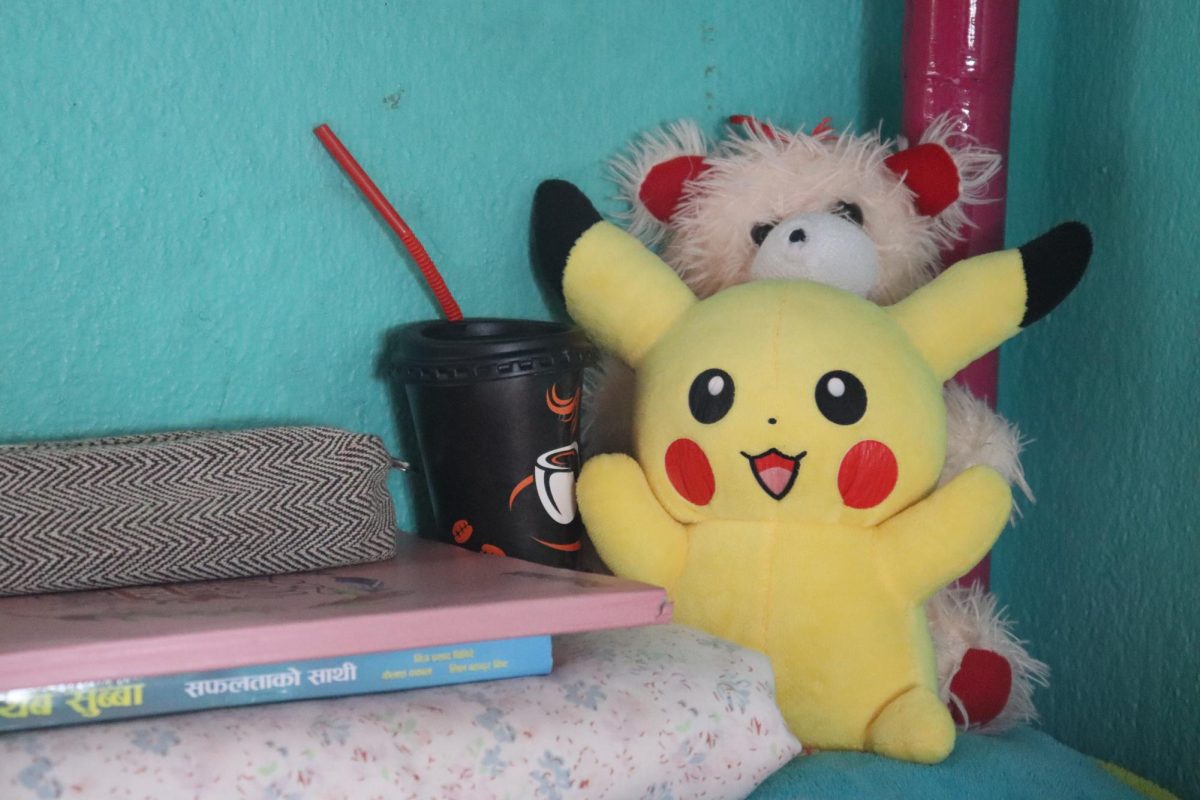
(826, 248)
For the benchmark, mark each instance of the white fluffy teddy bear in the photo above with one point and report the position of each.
(866, 215)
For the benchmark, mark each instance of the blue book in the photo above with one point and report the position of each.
(101, 701)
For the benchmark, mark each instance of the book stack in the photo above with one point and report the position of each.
(435, 614)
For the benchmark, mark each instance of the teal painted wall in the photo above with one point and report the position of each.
(177, 250)
(1103, 572)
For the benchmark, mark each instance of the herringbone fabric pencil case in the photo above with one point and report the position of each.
(188, 506)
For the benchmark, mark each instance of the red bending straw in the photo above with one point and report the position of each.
(365, 185)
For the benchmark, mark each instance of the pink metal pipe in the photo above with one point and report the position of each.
(958, 57)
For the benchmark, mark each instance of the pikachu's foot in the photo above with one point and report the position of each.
(913, 727)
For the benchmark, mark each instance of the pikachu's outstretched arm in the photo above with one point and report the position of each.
(923, 548)
(634, 535)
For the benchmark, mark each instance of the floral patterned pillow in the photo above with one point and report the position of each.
(657, 712)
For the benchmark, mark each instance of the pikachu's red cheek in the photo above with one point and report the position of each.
(867, 475)
(689, 472)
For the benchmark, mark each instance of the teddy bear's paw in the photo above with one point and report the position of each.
(913, 727)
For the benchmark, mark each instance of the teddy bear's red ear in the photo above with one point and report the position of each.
(662, 188)
(930, 172)
(657, 174)
(948, 171)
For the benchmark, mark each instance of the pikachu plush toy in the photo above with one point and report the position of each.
(788, 436)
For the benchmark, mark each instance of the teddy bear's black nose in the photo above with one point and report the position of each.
(797, 235)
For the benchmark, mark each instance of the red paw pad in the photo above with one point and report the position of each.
(981, 685)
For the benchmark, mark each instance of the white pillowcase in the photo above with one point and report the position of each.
(657, 712)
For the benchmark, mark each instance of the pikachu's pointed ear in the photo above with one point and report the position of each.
(978, 303)
(622, 294)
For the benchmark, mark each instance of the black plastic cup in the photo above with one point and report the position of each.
(495, 406)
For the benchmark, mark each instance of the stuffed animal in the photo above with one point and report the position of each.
(874, 217)
(861, 214)
(789, 437)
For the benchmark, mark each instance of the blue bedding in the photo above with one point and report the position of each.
(1019, 764)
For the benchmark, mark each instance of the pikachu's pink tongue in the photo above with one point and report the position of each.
(776, 480)
(775, 472)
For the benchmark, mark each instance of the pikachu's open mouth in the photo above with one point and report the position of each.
(775, 471)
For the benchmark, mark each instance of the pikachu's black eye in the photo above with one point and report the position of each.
(841, 397)
(711, 396)
(851, 211)
(759, 232)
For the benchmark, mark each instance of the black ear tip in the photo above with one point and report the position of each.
(555, 188)
(561, 202)
(561, 214)
(1054, 262)
(1074, 237)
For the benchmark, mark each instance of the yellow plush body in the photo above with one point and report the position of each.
(788, 436)
(846, 633)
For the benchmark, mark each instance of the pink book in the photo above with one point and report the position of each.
(430, 594)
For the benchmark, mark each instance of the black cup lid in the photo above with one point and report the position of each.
(439, 351)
